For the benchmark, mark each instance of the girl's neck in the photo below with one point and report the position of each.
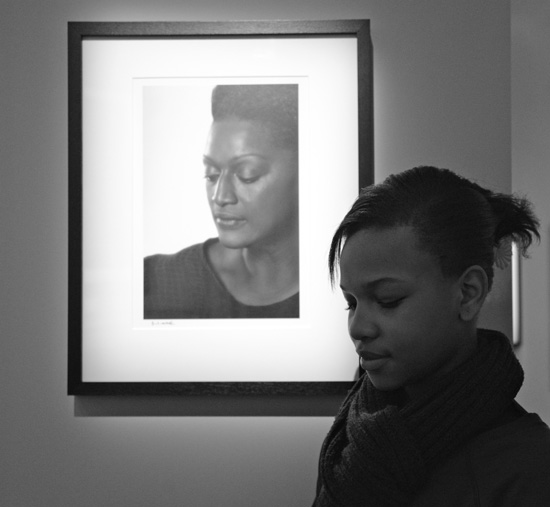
(428, 384)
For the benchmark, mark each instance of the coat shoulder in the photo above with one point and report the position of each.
(503, 467)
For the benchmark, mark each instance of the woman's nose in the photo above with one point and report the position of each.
(224, 191)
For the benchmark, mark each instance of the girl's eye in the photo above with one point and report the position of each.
(394, 303)
(351, 305)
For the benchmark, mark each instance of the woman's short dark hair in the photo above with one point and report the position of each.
(275, 105)
(455, 219)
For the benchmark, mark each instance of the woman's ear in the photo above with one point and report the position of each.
(474, 286)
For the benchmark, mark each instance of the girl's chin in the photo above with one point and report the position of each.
(383, 382)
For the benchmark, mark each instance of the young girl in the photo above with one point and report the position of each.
(433, 422)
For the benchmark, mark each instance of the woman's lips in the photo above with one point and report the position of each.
(228, 221)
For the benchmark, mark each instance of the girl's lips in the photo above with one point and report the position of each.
(371, 361)
(365, 354)
(373, 364)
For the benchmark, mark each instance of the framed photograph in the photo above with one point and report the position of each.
(209, 165)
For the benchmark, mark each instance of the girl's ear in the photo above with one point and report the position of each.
(474, 286)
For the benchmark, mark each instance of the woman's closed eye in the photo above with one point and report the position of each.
(250, 171)
(250, 179)
(211, 174)
(211, 178)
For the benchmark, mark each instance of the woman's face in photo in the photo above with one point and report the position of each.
(403, 312)
(251, 184)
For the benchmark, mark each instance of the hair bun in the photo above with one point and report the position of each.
(503, 253)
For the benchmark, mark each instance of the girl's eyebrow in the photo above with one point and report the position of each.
(374, 284)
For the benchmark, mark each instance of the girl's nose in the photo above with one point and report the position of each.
(362, 325)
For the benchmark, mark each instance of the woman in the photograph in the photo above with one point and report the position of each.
(433, 421)
(251, 270)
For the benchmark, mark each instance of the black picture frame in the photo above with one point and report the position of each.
(79, 32)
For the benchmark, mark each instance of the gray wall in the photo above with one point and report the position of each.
(442, 92)
(531, 176)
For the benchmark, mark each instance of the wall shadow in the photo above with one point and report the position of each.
(209, 406)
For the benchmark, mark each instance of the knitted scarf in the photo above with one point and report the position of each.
(382, 446)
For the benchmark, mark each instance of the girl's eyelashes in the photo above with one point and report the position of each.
(394, 303)
(385, 304)
(351, 303)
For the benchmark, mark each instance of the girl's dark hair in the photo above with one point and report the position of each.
(275, 105)
(456, 220)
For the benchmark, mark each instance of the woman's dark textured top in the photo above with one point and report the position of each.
(184, 286)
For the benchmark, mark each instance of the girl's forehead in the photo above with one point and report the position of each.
(374, 242)
(391, 253)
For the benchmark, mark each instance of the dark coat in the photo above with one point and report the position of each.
(507, 465)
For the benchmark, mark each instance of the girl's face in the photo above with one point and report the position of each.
(251, 184)
(403, 313)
